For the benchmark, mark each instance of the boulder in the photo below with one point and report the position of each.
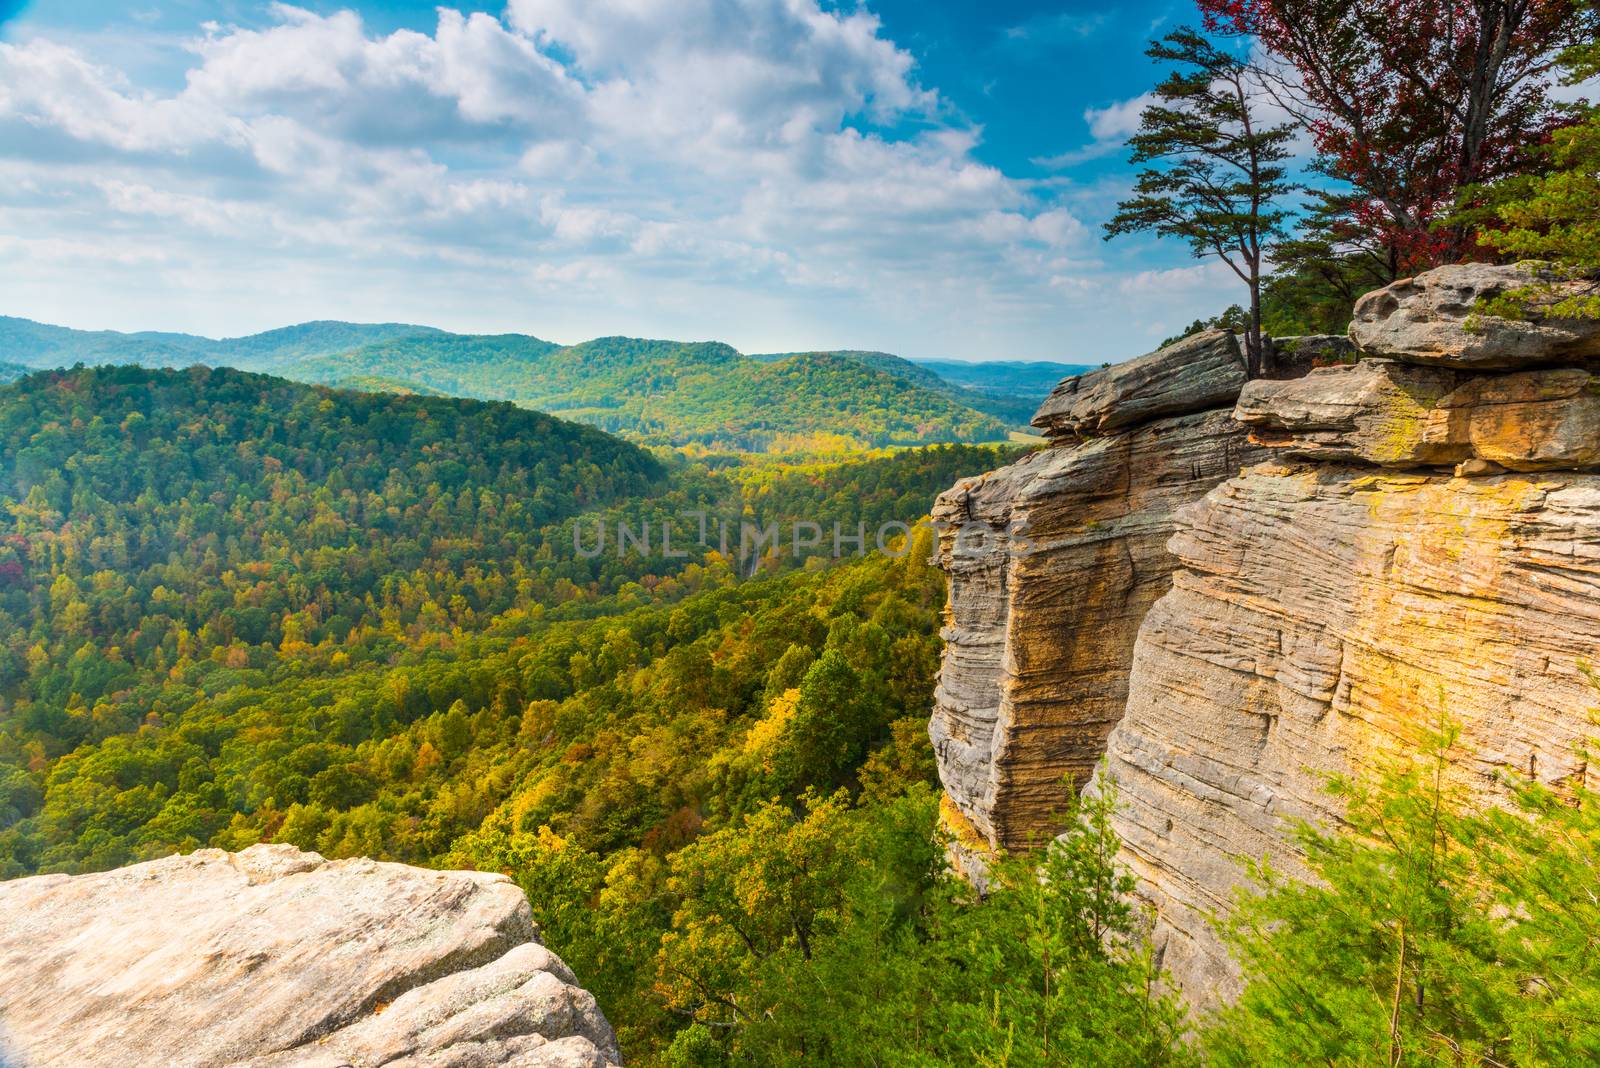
(274, 957)
(1201, 372)
(1430, 319)
(1405, 415)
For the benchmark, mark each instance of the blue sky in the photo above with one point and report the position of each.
(921, 177)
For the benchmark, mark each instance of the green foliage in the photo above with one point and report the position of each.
(239, 609)
(1233, 318)
(1552, 217)
(43, 345)
(701, 394)
(826, 934)
(1010, 392)
(1433, 934)
(1218, 170)
(1051, 967)
(1324, 268)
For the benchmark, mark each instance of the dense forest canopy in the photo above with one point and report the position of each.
(174, 535)
(242, 609)
(701, 394)
(706, 394)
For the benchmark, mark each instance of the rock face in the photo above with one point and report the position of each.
(1416, 536)
(1321, 616)
(1203, 371)
(272, 958)
(1053, 563)
(1403, 415)
(1426, 320)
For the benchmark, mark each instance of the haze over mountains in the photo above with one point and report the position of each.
(706, 394)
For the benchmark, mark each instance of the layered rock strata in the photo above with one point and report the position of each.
(1323, 616)
(271, 958)
(1401, 415)
(1416, 536)
(1200, 372)
(1330, 607)
(1053, 563)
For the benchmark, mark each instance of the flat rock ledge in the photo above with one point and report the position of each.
(272, 957)
(1199, 373)
(1404, 415)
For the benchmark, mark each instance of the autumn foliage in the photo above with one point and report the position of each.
(1409, 101)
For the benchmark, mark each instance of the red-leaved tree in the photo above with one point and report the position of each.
(1409, 101)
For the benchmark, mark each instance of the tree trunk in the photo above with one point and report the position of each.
(1255, 351)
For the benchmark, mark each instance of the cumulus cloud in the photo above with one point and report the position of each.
(772, 161)
(1117, 121)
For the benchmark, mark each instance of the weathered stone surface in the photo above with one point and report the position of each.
(1052, 563)
(274, 957)
(1374, 411)
(1321, 615)
(1201, 372)
(1403, 415)
(1425, 320)
(1532, 421)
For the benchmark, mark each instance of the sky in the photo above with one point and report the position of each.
(925, 177)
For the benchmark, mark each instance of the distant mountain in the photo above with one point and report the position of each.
(659, 392)
(10, 372)
(485, 366)
(42, 345)
(275, 348)
(1013, 407)
(683, 393)
(1013, 377)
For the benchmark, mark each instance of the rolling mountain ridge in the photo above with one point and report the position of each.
(701, 394)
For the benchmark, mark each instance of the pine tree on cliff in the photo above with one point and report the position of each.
(1215, 175)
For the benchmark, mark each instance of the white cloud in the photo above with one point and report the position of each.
(752, 169)
(1109, 126)
(1118, 121)
(1047, 29)
(1209, 275)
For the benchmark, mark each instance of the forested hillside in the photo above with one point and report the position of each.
(175, 536)
(240, 609)
(1009, 397)
(702, 394)
(1006, 377)
(41, 345)
(705, 394)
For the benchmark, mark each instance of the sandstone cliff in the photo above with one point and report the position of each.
(1053, 563)
(1423, 541)
(273, 958)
